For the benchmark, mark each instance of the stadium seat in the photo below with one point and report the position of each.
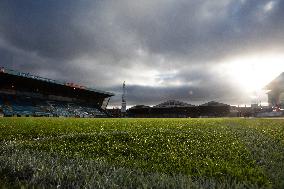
(17, 105)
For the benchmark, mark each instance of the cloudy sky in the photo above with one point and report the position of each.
(189, 50)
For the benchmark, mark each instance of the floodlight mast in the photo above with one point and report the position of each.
(123, 101)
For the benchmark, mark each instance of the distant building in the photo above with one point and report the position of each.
(139, 111)
(174, 109)
(178, 109)
(173, 103)
(114, 112)
(214, 109)
(276, 92)
(168, 109)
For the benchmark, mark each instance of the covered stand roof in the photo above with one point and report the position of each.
(213, 103)
(277, 83)
(173, 103)
(139, 107)
(32, 81)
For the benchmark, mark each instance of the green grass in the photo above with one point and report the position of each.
(142, 153)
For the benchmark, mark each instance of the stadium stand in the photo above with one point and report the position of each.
(173, 103)
(178, 109)
(275, 92)
(213, 109)
(23, 94)
(168, 109)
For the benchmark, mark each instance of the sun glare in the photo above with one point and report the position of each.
(252, 73)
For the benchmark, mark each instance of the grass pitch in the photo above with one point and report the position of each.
(141, 153)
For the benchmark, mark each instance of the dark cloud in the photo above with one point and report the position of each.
(199, 87)
(194, 95)
(177, 44)
(207, 30)
(49, 28)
